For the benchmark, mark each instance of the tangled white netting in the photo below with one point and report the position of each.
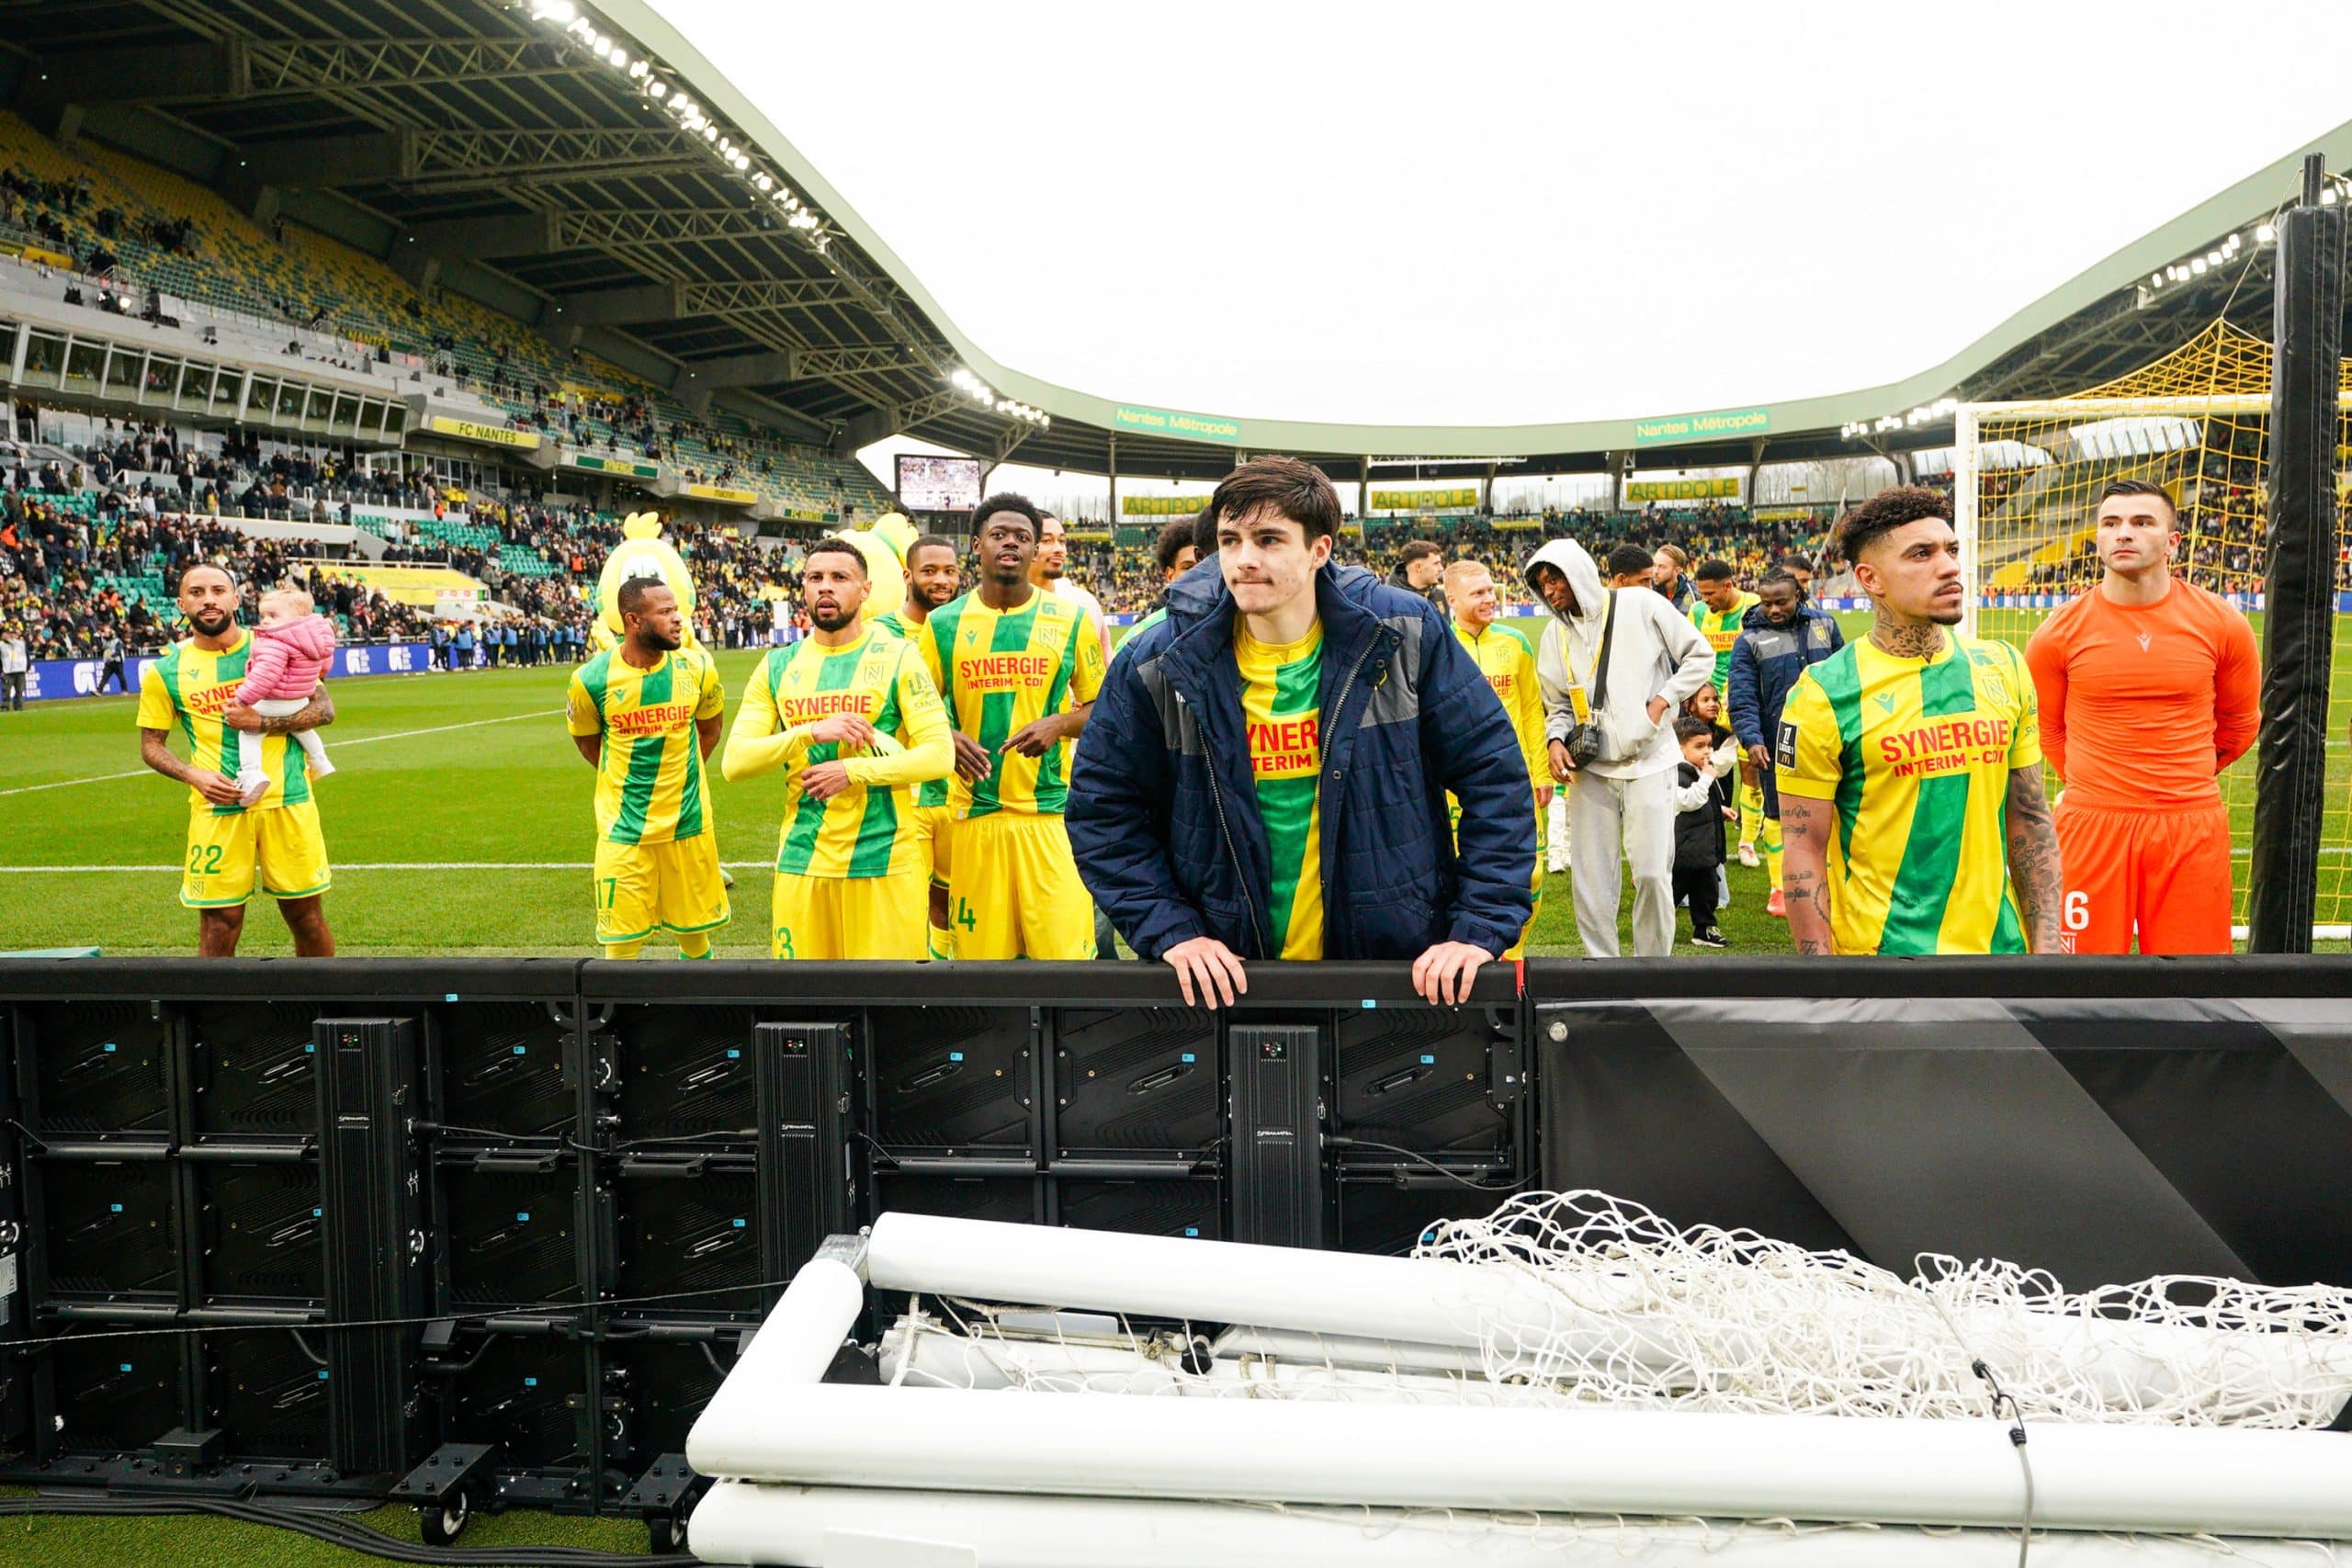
(1630, 1310)
(1582, 1299)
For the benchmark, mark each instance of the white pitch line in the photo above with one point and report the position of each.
(354, 741)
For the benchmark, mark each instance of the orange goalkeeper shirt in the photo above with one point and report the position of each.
(2143, 705)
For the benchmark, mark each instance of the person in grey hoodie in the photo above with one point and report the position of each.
(1656, 657)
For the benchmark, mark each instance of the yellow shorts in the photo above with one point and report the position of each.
(1013, 890)
(1543, 844)
(675, 886)
(936, 830)
(282, 844)
(851, 917)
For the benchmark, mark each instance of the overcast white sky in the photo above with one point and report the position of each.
(1466, 213)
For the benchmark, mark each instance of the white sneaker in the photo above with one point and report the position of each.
(254, 788)
(321, 768)
(1558, 867)
(1749, 857)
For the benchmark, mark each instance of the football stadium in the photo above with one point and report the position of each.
(794, 787)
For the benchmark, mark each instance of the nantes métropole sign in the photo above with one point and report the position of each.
(1701, 426)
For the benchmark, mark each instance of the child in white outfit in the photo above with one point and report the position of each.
(292, 649)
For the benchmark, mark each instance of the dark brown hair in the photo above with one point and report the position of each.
(2137, 487)
(1298, 490)
(1417, 550)
(1888, 510)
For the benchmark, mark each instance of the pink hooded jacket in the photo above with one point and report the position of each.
(288, 662)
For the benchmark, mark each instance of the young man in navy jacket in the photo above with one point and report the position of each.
(1266, 770)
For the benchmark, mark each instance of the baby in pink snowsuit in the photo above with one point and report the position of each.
(292, 648)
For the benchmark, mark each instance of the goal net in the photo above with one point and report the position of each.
(2026, 482)
(1570, 1379)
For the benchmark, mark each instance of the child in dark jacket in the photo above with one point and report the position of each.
(1701, 807)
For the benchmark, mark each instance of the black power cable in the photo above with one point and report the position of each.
(336, 1532)
(1453, 1176)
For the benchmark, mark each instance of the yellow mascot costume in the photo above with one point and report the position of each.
(643, 552)
(885, 547)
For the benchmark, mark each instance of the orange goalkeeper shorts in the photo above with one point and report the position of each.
(2164, 874)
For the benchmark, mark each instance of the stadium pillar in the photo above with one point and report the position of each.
(1363, 490)
(2291, 776)
(1112, 462)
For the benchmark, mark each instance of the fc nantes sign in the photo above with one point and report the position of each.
(726, 494)
(487, 434)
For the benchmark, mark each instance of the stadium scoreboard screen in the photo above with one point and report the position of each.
(938, 484)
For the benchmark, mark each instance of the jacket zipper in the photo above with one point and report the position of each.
(1339, 704)
(1240, 872)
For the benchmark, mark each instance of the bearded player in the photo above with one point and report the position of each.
(935, 575)
(645, 713)
(1504, 657)
(852, 716)
(235, 845)
(2150, 689)
(1018, 669)
(1910, 764)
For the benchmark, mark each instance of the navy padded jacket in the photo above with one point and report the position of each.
(1164, 815)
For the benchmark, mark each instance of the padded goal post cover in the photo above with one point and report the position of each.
(2300, 627)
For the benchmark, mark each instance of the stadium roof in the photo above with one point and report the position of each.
(486, 146)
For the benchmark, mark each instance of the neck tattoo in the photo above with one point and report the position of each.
(1909, 640)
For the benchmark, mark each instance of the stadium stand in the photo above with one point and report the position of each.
(100, 214)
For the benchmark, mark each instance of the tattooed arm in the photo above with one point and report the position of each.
(316, 714)
(2033, 858)
(1805, 871)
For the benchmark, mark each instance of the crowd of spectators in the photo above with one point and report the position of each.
(68, 579)
(1127, 580)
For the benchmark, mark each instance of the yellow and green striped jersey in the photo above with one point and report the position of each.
(650, 783)
(1281, 707)
(1916, 756)
(868, 829)
(931, 792)
(998, 671)
(1507, 660)
(185, 690)
(1722, 631)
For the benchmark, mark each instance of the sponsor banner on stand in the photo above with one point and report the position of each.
(1701, 426)
(1461, 498)
(1187, 426)
(1721, 488)
(48, 679)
